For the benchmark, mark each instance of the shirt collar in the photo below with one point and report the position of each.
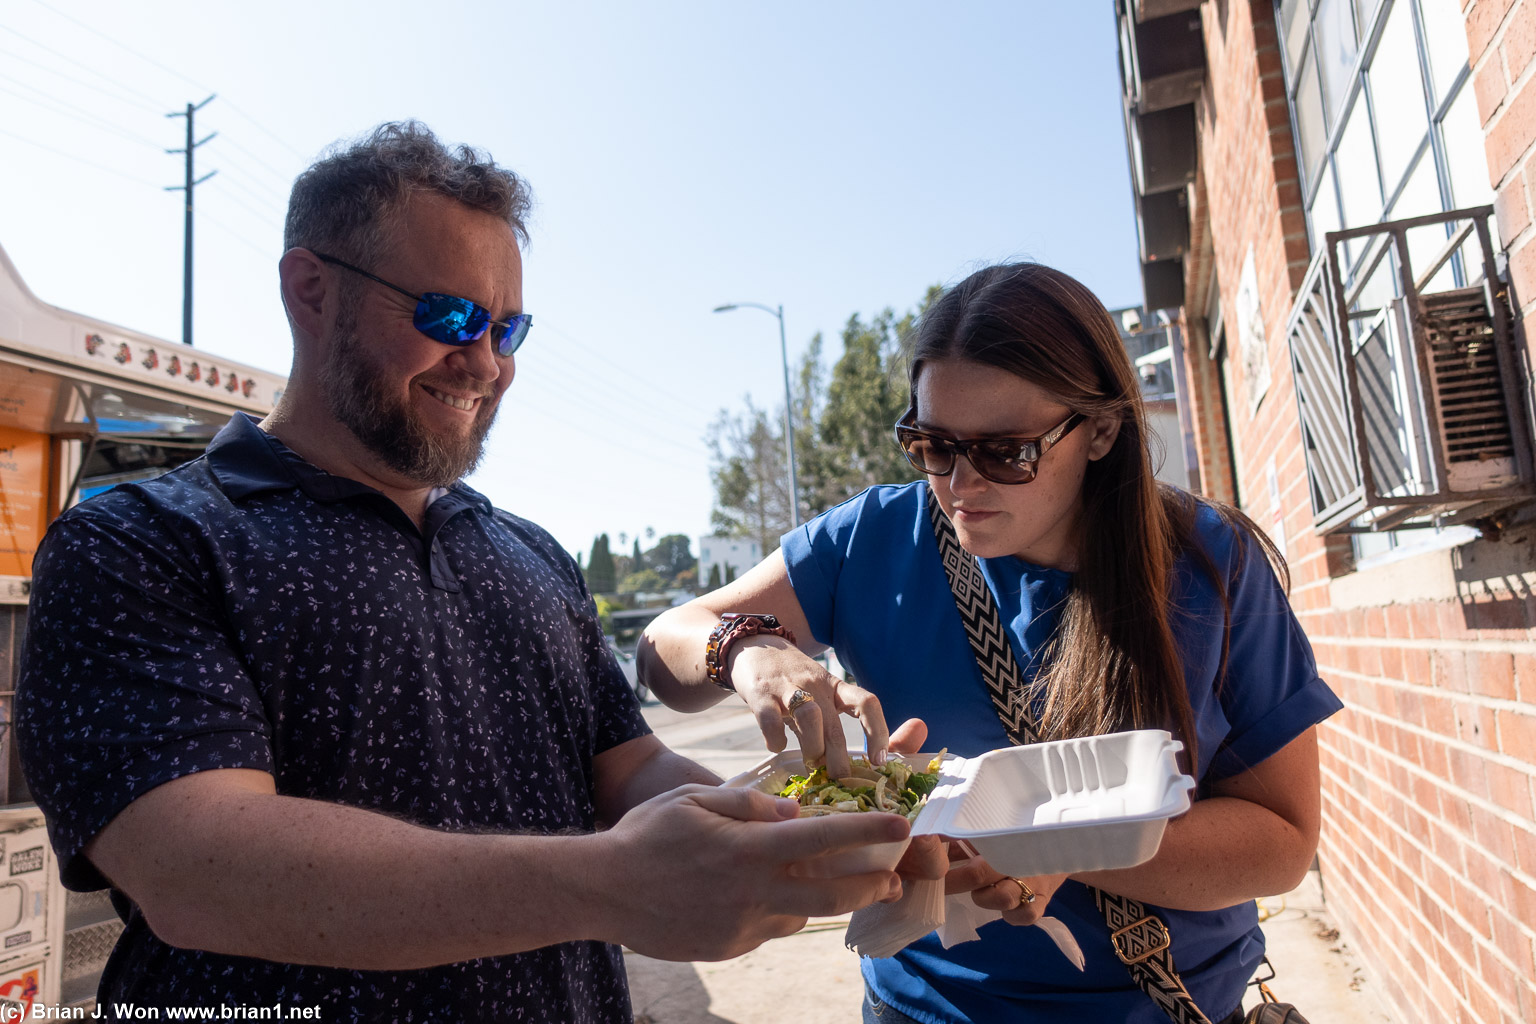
(248, 461)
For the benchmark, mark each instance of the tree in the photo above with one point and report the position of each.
(648, 580)
(751, 486)
(600, 567)
(867, 394)
(605, 609)
(715, 582)
(671, 555)
(637, 560)
(843, 440)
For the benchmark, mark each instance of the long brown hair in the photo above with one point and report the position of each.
(1113, 663)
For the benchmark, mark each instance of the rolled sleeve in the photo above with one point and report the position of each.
(1272, 692)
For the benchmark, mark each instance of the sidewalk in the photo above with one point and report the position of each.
(811, 978)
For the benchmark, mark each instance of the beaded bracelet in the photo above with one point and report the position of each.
(732, 627)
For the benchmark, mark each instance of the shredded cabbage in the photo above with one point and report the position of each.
(894, 787)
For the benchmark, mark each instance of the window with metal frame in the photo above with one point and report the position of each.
(1386, 129)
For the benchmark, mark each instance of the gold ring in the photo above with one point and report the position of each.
(798, 698)
(1026, 894)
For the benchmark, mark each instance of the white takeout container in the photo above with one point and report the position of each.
(1060, 807)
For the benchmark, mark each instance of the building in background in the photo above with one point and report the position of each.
(722, 559)
(1156, 350)
(1333, 211)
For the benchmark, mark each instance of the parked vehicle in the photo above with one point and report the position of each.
(631, 670)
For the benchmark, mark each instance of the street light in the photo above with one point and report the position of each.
(789, 404)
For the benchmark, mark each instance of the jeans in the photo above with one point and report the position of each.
(876, 1012)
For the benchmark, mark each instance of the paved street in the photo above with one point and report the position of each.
(811, 978)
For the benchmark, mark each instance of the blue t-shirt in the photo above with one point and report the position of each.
(868, 577)
(248, 610)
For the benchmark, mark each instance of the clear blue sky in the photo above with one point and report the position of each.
(837, 158)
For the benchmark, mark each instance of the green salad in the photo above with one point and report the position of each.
(894, 787)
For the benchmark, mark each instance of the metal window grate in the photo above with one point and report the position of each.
(1412, 408)
(1467, 377)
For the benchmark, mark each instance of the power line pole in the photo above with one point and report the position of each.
(186, 284)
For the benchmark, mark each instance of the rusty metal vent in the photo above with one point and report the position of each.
(1467, 385)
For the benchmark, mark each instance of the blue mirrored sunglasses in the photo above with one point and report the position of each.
(450, 319)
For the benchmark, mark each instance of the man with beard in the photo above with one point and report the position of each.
(339, 735)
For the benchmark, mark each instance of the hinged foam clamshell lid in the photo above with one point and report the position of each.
(1089, 804)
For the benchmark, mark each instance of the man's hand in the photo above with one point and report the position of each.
(707, 874)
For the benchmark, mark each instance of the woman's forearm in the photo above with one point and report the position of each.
(670, 658)
(1225, 851)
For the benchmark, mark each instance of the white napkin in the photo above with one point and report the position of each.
(884, 929)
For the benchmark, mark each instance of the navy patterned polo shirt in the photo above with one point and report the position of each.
(248, 610)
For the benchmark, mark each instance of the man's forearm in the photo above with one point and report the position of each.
(304, 881)
(216, 863)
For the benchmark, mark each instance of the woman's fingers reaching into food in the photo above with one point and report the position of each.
(853, 699)
(909, 736)
(786, 688)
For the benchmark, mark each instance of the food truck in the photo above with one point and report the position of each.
(84, 406)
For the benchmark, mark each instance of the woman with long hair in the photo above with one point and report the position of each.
(1126, 604)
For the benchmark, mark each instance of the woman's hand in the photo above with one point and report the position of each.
(993, 890)
(770, 673)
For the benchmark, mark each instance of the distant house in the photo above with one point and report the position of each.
(732, 555)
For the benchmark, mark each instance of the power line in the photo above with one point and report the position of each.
(251, 185)
(263, 129)
(73, 112)
(622, 392)
(120, 44)
(282, 176)
(71, 61)
(545, 324)
(266, 219)
(610, 440)
(168, 70)
(265, 254)
(116, 95)
(80, 159)
(272, 213)
(579, 400)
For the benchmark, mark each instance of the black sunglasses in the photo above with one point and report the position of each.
(1002, 460)
(450, 319)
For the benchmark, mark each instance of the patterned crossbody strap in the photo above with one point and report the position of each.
(1140, 939)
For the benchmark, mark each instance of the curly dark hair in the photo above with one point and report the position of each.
(348, 201)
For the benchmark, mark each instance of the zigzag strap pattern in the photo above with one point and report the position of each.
(1139, 937)
(984, 629)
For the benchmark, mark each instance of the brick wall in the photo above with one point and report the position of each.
(1429, 848)
(1252, 200)
(1207, 423)
(1428, 852)
(1501, 43)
